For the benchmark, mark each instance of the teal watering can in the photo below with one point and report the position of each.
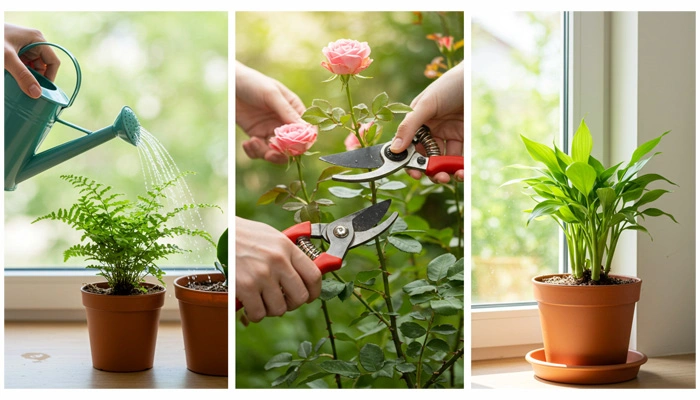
(28, 121)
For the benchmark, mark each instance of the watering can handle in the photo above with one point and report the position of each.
(78, 76)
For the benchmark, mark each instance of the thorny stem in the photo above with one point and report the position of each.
(355, 126)
(422, 351)
(458, 340)
(332, 339)
(456, 356)
(364, 303)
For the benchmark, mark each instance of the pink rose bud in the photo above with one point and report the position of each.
(294, 139)
(346, 57)
(351, 142)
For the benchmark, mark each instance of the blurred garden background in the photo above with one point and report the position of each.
(517, 80)
(171, 68)
(287, 46)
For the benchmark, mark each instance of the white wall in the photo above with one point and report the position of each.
(652, 90)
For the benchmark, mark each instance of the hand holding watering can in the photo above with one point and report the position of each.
(29, 119)
(42, 59)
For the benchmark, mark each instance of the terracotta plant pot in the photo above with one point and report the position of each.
(204, 318)
(122, 329)
(586, 325)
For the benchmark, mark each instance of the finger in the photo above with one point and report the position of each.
(52, 63)
(282, 107)
(275, 157)
(309, 273)
(459, 175)
(414, 174)
(275, 304)
(255, 148)
(295, 292)
(454, 148)
(24, 78)
(422, 113)
(254, 308)
(441, 177)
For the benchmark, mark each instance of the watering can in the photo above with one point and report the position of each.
(28, 122)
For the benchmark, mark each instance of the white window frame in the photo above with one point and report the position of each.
(511, 331)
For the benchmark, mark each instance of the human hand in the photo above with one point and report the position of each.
(42, 59)
(273, 275)
(263, 104)
(441, 107)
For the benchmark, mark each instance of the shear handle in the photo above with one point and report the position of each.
(449, 164)
(325, 262)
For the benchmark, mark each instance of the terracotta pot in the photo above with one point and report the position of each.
(586, 325)
(204, 318)
(122, 329)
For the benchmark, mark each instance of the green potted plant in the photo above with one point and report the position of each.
(586, 316)
(203, 303)
(122, 240)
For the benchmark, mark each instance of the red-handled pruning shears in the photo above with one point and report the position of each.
(384, 162)
(342, 234)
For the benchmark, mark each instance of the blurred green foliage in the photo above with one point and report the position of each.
(287, 46)
(171, 68)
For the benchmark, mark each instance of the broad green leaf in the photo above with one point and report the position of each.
(597, 165)
(347, 291)
(320, 343)
(331, 288)
(304, 349)
(328, 173)
(449, 306)
(438, 345)
(655, 212)
(607, 198)
(342, 336)
(650, 196)
(631, 195)
(399, 225)
(314, 380)
(322, 105)
(270, 196)
(387, 371)
(456, 268)
(582, 176)
(338, 114)
(567, 216)
(344, 193)
(639, 228)
(384, 114)
(645, 148)
(542, 153)
(419, 287)
(412, 330)
(279, 360)
(365, 276)
(392, 185)
(324, 202)
(405, 367)
(327, 125)
(413, 349)
(564, 159)
(340, 367)
(444, 329)
(399, 108)
(546, 207)
(289, 377)
(582, 144)
(606, 174)
(314, 115)
(381, 100)
(645, 179)
(438, 267)
(371, 357)
(405, 244)
(293, 206)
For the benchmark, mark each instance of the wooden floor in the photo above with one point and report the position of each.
(673, 372)
(56, 355)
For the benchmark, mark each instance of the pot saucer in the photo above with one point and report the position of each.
(586, 375)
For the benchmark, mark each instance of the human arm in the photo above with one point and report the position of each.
(441, 107)
(41, 58)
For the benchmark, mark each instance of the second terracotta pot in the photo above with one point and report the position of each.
(586, 325)
(204, 318)
(122, 329)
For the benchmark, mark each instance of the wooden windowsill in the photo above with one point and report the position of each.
(672, 372)
(54, 355)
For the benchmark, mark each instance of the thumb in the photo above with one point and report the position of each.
(24, 78)
(409, 126)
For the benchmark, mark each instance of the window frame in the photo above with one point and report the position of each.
(584, 88)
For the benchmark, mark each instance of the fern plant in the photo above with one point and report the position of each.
(221, 264)
(122, 238)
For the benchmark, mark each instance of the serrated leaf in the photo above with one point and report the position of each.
(340, 367)
(405, 244)
(318, 344)
(413, 349)
(342, 336)
(387, 371)
(270, 196)
(449, 306)
(344, 192)
(347, 291)
(279, 360)
(438, 345)
(380, 100)
(330, 289)
(392, 185)
(384, 114)
(365, 276)
(405, 367)
(322, 105)
(324, 202)
(418, 287)
(444, 329)
(399, 108)
(371, 357)
(412, 330)
(328, 173)
(438, 267)
(293, 206)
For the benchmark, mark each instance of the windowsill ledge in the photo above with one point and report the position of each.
(671, 372)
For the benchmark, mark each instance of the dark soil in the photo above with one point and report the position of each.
(208, 286)
(90, 288)
(569, 280)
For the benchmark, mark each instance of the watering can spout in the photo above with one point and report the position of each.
(126, 127)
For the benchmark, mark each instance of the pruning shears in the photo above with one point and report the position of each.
(384, 162)
(342, 234)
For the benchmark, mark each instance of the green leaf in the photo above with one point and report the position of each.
(365, 276)
(438, 267)
(270, 196)
(314, 115)
(293, 206)
(320, 343)
(543, 208)
(582, 176)
(289, 377)
(322, 105)
(607, 198)
(328, 173)
(444, 329)
(399, 225)
(342, 336)
(405, 367)
(279, 360)
(340, 367)
(645, 148)
(347, 291)
(384, 114)
(650, 196)
(438, 345)
(387, 371)
(380, 101)
(655, 212)
(542, 153)
(449, 306)
(344, 192)
(304, 349)
(412, 330)
(338, 114)
(413, 349)
(392, 185)
(360, 112)
(371, 357)
(399, 108)
(582, 144)
(418, 287)
(405, 244)
(330, 289)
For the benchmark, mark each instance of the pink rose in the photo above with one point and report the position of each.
(294, 139)
(351, 142)
(346, 57)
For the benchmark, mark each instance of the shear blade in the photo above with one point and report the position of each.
(370, 216)
(366, 157)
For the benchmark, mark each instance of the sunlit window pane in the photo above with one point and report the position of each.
(517, 68)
